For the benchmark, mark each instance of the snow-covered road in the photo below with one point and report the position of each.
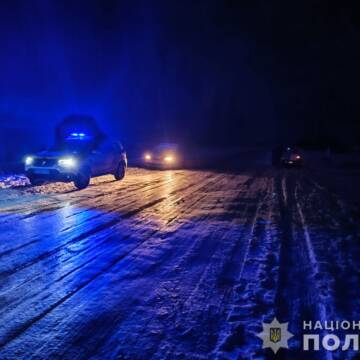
(173, 264)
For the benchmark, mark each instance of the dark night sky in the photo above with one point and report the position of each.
(224, 72)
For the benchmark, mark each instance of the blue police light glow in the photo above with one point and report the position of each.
(78, 136)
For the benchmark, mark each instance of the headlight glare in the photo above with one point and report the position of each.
(67, 162)
(168, 159)
(29, 160)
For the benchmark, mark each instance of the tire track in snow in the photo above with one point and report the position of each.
(291, 301)
(315, 269)
(241, 301)
(335, 229)
(298, 266)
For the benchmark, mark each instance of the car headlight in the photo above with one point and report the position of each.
(168, 159)
(67, 162)
(147, 156)
(29, 160)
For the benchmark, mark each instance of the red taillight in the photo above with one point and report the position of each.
(298, 157)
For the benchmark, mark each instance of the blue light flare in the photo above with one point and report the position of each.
(78, 136)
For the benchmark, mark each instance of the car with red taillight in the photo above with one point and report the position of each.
(291, 157)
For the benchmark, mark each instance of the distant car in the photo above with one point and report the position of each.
(77, 158)
(291, 157)
(165, 156)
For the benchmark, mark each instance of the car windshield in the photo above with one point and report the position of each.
(76, 146)
(162, 148)
(290, 150)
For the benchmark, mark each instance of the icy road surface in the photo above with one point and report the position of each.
(173, 265)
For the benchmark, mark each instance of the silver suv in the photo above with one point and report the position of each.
(77, 158)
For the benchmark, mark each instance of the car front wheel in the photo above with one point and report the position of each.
(82, 180)
(120, 172)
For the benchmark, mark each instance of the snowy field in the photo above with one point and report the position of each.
(173, 265)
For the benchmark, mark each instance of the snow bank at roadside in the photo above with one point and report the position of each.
(12, 180)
